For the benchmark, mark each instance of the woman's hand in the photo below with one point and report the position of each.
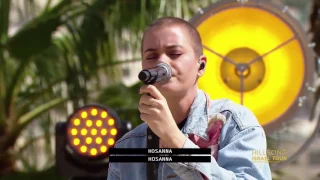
(156, 113)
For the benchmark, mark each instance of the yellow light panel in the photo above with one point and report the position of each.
(89, 123)
(74, 131)
(260, 31)
(93, 151)
(103, 149)
(88, 132)
(111, 122)
(94, 112)
(84, 132)
(111, 141)
(103, 132)
(93, 132)
(113, 132)
(76, 122)
(99, 123)
(88, 140)
(98, 140)
(83, 149)
(84, 114)
(104, 114)
(76, 141)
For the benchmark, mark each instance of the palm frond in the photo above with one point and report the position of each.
(26, 119)
(4, 24)
(36, 35)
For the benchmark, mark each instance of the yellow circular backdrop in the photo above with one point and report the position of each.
(242, 34)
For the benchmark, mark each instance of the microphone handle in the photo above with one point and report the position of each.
(152, 142)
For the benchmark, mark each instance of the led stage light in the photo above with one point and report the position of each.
(83, 142)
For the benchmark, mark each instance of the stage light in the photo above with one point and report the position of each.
(258, 56)
(83, 142)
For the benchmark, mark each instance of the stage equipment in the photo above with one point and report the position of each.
(258, 55)
(82, 143)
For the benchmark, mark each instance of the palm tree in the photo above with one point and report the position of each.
(40, 71)
(21, 101)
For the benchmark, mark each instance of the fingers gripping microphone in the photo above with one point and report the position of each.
(162, 72)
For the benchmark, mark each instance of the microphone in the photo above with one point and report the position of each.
(162, 72)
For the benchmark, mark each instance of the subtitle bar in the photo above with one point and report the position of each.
(144, 159)
(114, 151)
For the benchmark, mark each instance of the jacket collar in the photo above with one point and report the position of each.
(197, 121)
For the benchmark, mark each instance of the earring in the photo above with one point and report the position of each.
(202, 65)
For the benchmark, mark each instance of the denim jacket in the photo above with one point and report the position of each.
(240, 136)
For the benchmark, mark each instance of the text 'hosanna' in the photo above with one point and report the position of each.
(164, 151)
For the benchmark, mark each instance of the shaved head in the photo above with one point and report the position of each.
(193, 34)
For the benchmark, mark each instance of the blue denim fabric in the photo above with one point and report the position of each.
(240, 136)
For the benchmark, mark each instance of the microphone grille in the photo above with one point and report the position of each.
(143, 76)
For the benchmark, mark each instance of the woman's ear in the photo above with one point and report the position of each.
(202, 65)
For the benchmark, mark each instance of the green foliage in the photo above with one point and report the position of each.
(124, 100)
(36, 35)
(48, 174)
(37, 68)
(4, 20)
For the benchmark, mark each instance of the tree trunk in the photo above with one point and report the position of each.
(6, 163)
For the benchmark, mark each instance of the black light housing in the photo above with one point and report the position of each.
(83, 141)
